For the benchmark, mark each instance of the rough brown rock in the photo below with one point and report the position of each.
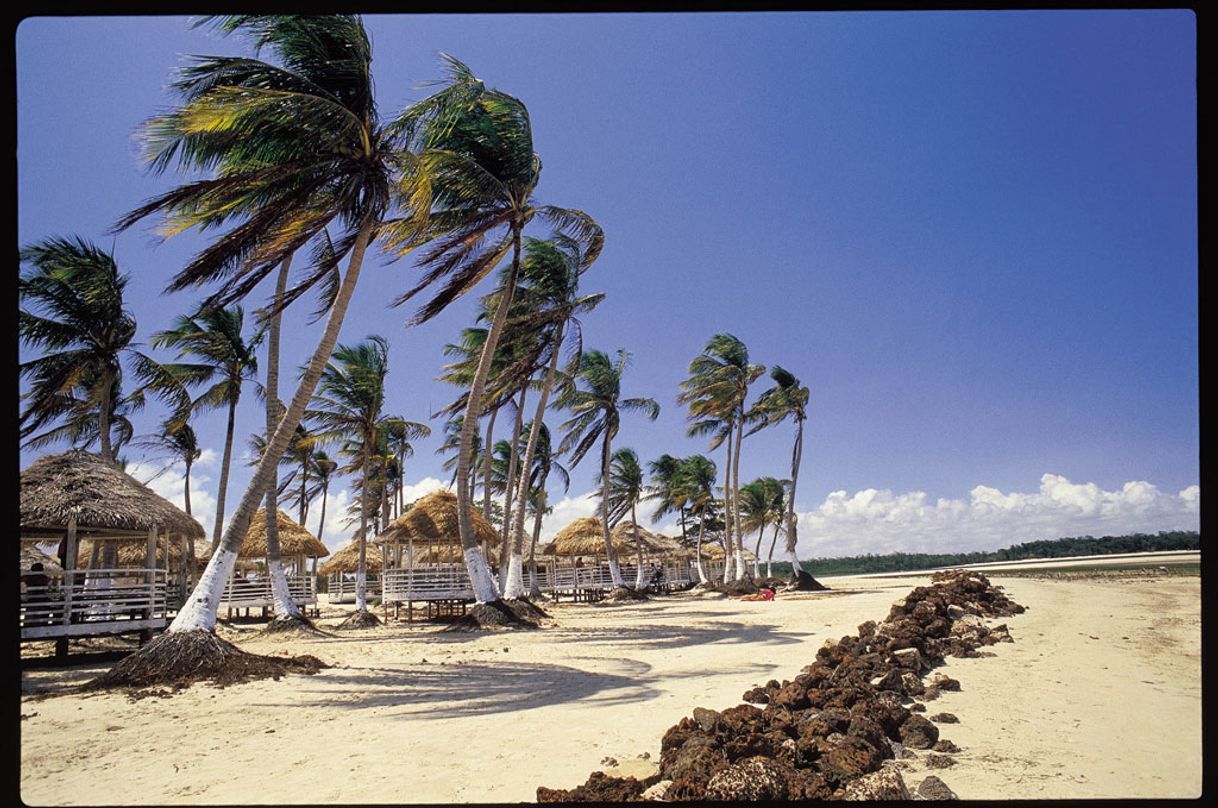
(754, 779)
(918, 733)
(886, 784)
(932, 788)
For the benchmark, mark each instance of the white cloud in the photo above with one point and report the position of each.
(566, 511)
(879, 521)
(169, 480)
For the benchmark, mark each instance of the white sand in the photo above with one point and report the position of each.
(412, 715)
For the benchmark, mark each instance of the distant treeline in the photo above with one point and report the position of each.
(1044, 548)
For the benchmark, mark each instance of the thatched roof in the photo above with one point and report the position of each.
(131, 554)
(100, 496)
(715, 550)
(294, 540)
(433, 519)
(31, 555)
(585, 537)
(347, 559)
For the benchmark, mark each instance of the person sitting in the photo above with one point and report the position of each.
(35, 596)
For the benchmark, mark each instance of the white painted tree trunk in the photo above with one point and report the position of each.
(199, 611)
(485, 590)
(796, 568)
(281, 595)
(615, 572)
(514, 587)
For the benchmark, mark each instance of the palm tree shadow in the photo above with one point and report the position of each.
(454, 690)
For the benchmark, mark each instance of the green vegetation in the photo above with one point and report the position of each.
(1043, 548)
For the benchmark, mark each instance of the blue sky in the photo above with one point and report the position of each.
(973, 235)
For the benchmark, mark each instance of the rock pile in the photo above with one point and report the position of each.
(826, 733)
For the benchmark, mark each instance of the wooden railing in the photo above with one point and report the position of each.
(246, 593)
(341, 590)
(93, 601)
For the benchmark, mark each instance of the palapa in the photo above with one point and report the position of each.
(433, 520)
(347, 560)
(98, 494)
(585, 537)
(294, 540)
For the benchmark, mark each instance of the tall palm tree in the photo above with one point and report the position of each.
(787, 399)
(452, 444)
(597, 410)
(348, 404)
(548, 302)
(71, 294)
(228, 361)
(666, 489)
(482, 172)
(299, 457)
(625, 486)
(401, 435)
(295, 146)
(715, 392)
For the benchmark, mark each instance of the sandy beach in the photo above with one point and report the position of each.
(1099, 696)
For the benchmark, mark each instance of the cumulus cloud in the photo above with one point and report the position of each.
(566, 510)
(169, 480)
(880, 521)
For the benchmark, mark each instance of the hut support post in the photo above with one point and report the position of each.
(150, 579)
(69, 584)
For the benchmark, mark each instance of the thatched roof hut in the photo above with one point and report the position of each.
(131, 554)
(104, 500)
(585, 537)
(714, 550)
(433, 520)
(294, 540)
(347, 560)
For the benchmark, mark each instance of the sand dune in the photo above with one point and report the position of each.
(1099, 696)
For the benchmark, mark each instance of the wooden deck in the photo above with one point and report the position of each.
(94, 602)
(255, 593)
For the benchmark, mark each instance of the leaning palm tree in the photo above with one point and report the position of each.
(549, 302)
(348, 404)
(317, 154)
(597, 410)
(715, 392)
(787, 399)
(626, 488)
(482, 172)
(71, 294)
(226, 361)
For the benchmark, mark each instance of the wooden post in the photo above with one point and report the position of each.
(150, 579)
(69, 583)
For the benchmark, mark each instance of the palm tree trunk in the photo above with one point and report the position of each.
(486, 463)
(186, 490)
(304, 485)
(483, 584)
(728, 559)
(361, 578)
(757, 553)
(509, 493)
(796, 457)
(325, 494)
(522, 495)
(534, 589)
(640, 581)
(281, 596)
(103, 416)
(769, 559)
(698, 550)
(228, 456)
(741, 569)
(615, 572)
(199, 611)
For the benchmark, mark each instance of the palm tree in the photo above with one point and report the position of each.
(545, 460)
(787, 399)
(666, 489)
(296, 146)
(597, 409)
(715, 391)
(228, 362)
(696, 484)
(625, 486)
(72, 312)
(401, 435)
(761, 505)
(323, 472)
(348, 404)
(452, 443)
(548, 301)
(181, 445)
(299, 456)
(482, 172)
